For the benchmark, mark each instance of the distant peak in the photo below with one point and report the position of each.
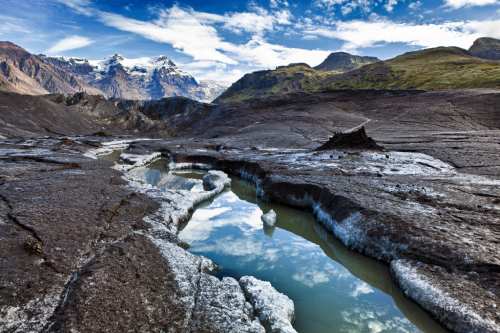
(117, 57)
(294, 65)
(345, 54)
(162, 58)
(344, 62)
(486, 48)
(333, 54)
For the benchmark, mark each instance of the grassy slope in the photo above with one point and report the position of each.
(280, 81)
(437, 68)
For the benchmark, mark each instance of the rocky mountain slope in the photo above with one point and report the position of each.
(342, 62)
(486, 48)
(141, 78)
(435, 68)
(24, 73)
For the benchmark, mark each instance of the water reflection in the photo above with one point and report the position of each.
(113, 157)
(334, 289)
(157, 174)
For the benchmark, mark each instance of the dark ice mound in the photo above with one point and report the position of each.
(352, 140)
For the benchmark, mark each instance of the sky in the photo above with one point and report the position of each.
(223, 40)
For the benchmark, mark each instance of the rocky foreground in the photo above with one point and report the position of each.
(85, 249)
(78, 237)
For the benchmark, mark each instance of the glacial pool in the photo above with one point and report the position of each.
(333, 289)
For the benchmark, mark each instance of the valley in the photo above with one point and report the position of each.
(132, 198)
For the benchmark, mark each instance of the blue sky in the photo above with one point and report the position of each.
(223, 40)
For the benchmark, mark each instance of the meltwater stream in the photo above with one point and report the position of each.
(334, 289)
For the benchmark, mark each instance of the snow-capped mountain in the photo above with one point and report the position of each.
(140, 66)
(141, 78)
(214, 88)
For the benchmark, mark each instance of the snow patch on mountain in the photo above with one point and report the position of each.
(213, 89)
(138, 66)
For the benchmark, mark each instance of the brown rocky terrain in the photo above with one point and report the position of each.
(428, 205)
(25, 73)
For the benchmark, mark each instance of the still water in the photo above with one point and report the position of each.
(334, 289)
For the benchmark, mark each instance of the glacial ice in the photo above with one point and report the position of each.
(275, 310)
(215, 179)
(137, 160)
(269, 219)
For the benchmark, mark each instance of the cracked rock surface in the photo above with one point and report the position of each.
(83, 250)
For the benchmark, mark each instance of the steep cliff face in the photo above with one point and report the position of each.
(23, 72)
(486, 48)
(142, 78)
(344, 62)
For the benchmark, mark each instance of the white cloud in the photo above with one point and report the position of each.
(195, 34)
(363, 5)
(389, 6)
(360, 289)
(81, 6)
(310, 276)
(176, 27)
(276, 3)
(348, 6)
(455, 4)
(310, 37)
(414, 5)
(329, 4)
(70, 43)
(8, 27)
(258, 52)
(360, 34)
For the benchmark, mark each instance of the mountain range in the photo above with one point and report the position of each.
(429, 69)
(115, 76)
(142, 78)
(159, 77)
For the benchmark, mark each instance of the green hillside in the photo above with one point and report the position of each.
(436, 68)
(283, 80)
